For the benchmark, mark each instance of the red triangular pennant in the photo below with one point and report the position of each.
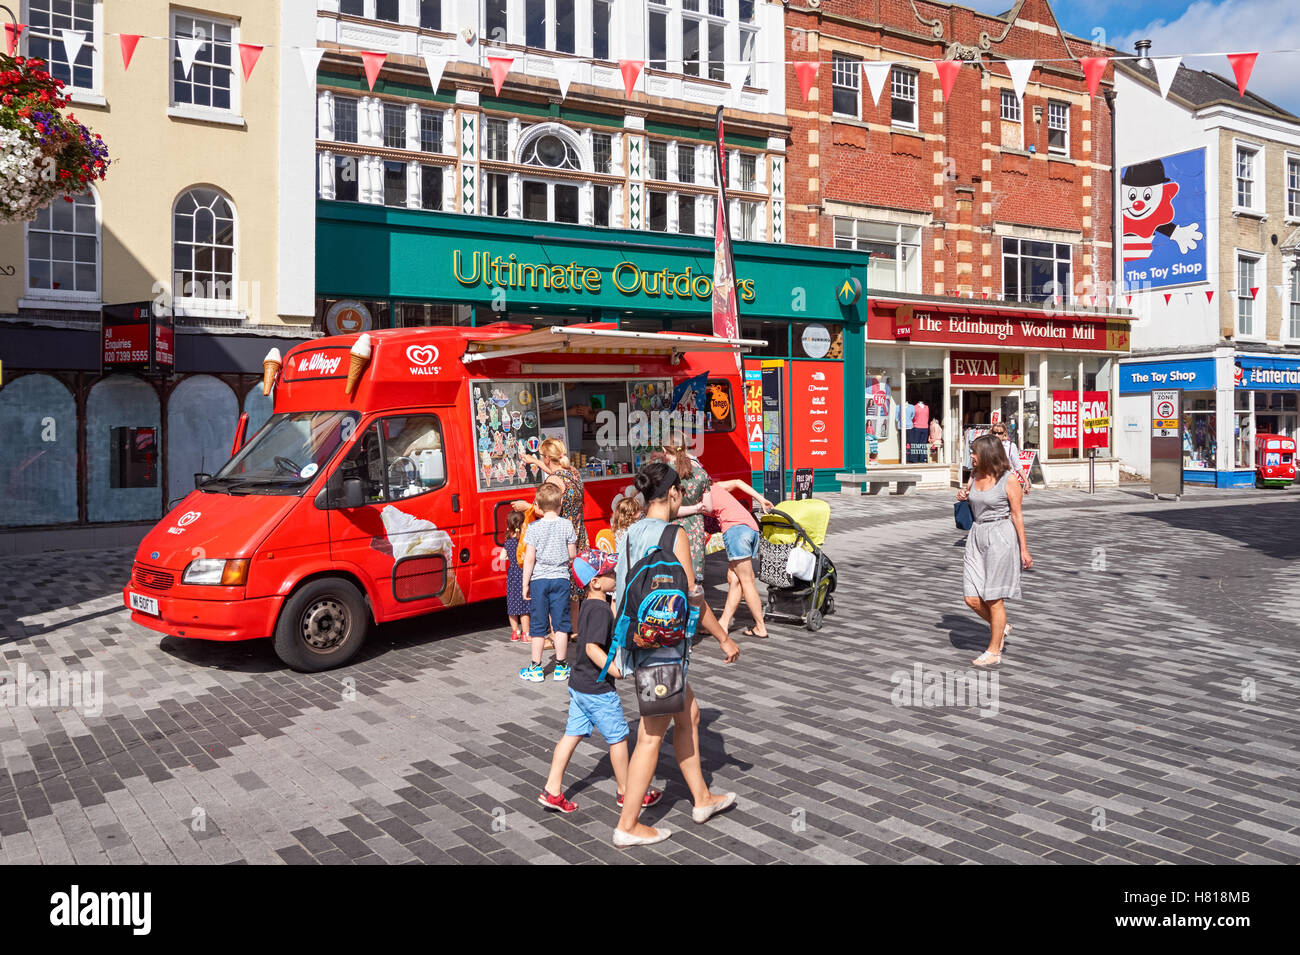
(500, 66)
(248, 54)
(1168, 296)
(373, 62)
(1254, 291)
(11, 36)
(128, 41)
(1209, 295)
(630, 69)
(947, 70)
(1093, 68)
(1128, 300)
(806, 71)
(986, 293)
(1242, 64)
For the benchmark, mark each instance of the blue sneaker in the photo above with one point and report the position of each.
(561, 672)
(533, 673)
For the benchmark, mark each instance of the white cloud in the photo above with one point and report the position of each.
(1233, 26)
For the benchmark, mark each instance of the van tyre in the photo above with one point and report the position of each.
(322, 625)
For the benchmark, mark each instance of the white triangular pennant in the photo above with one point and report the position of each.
(188, 47)
(1020, 70)
(1281, 291)
(565, 71)
(73, 41)
(877, 72)
(435, 65)
(1166, 67)
(737, 73)
(310, 60)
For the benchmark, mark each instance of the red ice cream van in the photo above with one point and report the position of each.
(386, 497)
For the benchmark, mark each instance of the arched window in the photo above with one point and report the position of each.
(63, 250)
(551, 146)
(203, 250)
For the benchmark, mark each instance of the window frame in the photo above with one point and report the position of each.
(1291, 186)
(52, 296)
(898, 92)
(842, 65)
(903, 268)
(437, 173)
(1067, 291)
(1243, 149)
(388, 109)
(187, 305)
(92, 94)
(608, 6)
(1258, 310)
(1291, 320)
(1009, 95)
(334, 117)
(198, 111)
(1065, 130)
(550, 184)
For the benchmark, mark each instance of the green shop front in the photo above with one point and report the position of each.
(383, 267)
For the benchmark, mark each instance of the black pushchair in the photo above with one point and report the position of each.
(795, 599)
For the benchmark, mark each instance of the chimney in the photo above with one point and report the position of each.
(1143, 48)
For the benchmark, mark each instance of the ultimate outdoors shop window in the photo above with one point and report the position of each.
(46, 21)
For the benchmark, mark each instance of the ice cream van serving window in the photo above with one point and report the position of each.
(594, 419)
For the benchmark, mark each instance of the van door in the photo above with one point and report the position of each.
(406, 536)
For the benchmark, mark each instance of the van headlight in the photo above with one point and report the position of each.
(226, 573)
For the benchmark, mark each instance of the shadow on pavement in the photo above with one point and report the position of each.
(1263, 527)
(965, 631)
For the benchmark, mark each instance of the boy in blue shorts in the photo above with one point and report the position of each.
(592, 702)
(549, 544)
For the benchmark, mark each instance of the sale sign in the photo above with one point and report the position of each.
(754, 414)
(817, 399)
(1069, 418)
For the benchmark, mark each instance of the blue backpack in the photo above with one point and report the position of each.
(654, 610)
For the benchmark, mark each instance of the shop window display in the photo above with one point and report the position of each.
(1243, 431)
(1063, 376)
(924, 407)
(1200, 447)
(884, 377)
(38, 471)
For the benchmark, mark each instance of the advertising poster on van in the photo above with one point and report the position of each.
(1163, 205)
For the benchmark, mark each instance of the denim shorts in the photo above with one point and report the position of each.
(604, 711)
(549, 601)
(742, 541)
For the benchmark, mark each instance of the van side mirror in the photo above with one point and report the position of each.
(354, 492)
(200, 479)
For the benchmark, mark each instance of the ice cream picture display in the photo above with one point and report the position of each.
(411, 536)
(358, 357)
(270, 369)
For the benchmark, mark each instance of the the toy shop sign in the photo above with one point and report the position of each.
(941, 324)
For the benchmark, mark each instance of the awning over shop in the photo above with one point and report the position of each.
(601, 340)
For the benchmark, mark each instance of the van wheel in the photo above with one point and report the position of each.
(322, 625)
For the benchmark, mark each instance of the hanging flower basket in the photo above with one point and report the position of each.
(44, 155)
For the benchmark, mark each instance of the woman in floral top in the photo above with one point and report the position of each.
(554, 461)
(695, 482)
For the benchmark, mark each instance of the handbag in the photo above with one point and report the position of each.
(962, 515)
(661, 687)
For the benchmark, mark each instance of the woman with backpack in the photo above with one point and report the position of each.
(661, 487)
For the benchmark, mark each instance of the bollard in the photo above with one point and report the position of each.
(1092, 470)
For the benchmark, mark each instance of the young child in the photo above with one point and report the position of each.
(517, 608)
(627, 513)
(550, 543)
(592, 703)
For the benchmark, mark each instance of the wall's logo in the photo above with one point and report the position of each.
(188, 518)
(422, 358)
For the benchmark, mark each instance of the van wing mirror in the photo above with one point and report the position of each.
(200, 479)
(354, 492)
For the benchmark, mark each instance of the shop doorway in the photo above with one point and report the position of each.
(977, 410)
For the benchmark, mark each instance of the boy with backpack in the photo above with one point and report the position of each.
(593, 700)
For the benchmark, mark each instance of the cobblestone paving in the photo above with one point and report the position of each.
(1146, 713)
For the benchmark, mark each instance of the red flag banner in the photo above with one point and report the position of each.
(128, 41)
(1242, 64)
(248, 54)
(373, 62)
(806, 72)
(947, 70)
(1254, 291)
(1168, 296)
(1093, 68)
(630, 69)
(1209, 295)
(500, 66)
(726, 310)
(11, 36)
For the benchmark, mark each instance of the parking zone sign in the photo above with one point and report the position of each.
(1165, 414)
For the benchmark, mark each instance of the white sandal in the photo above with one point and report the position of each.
(987, 659)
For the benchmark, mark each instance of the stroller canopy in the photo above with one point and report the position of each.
(812, 515)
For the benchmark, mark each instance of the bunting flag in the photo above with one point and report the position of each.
(434, 65)
(877, 73)
(310, 61)
(73, 41)
(1020, 70)
(1128, 300)
(500, 67)
(1168, 296)
(1281, 290)
(12, 32)
(631, 69)
(248, 54)
(1166, 67)
(737, 74)
(986, 294)
(188, 47)
(128, 42)
(725, 306)
(1110, 301)
(1254, 291)
(373, 63)
(806, 71)
(947, 70)
(565, 71)
(1187, 298)
(1242, 64)
(1209, 296)
(1093, 68)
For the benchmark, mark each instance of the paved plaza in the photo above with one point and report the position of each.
(1146, 713)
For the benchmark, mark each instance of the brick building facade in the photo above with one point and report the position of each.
(978, 212)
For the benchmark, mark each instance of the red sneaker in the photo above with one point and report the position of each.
(651, 797)
(558, 803)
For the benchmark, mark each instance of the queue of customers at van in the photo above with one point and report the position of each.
(665, 523)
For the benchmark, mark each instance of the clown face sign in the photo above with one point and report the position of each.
(1163, 206)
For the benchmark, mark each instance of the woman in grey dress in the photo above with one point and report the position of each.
(996, 548)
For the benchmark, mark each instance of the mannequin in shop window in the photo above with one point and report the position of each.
(879, 399)
(919, 434)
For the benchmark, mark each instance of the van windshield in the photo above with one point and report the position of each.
(286, 454)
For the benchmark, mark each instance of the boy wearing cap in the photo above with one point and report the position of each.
(592, 702)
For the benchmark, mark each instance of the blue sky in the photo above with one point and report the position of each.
(1205, 26)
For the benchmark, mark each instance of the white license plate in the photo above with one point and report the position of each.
(144, 604)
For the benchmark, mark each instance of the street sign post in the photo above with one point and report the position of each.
(1167, 442)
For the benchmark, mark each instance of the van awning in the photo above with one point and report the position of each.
(576, 340)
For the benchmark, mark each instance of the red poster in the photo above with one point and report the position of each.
(817, 401)
(753, 384)
(126, 345)
(1068, 418)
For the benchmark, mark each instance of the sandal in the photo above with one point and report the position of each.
(749, 632)
(987, 659)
